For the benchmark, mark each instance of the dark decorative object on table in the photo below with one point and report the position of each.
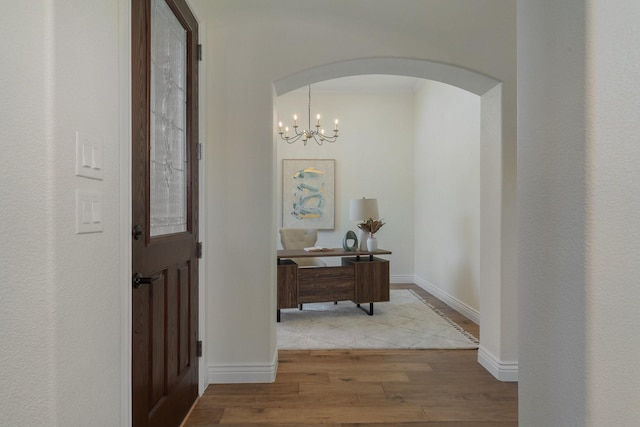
(345, 242)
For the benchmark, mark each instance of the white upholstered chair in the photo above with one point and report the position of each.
(300, 238)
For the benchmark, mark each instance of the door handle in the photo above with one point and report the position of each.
(137, 232)
(139, 280)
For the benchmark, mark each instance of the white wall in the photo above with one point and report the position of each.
(374, 158)
(27, 313)
(252, 44)
(60, 292)
(447, 194)
(613, 295)
(578, 212)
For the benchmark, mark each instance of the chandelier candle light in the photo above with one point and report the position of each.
(317, 135)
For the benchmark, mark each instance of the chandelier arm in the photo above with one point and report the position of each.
(291, 140)
(319, 139)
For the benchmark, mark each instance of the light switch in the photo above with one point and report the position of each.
(88, 211)
(88, 158)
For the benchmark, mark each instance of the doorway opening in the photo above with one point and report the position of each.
(491, 229)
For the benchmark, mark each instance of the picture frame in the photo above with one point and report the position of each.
(308, 193)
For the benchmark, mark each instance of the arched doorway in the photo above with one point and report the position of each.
(498, 341)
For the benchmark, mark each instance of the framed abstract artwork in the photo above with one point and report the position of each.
(308, 199)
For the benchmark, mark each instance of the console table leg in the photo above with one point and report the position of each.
(278, 315)
(300, 307)
(370, 312)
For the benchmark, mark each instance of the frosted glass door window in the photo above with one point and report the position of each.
(168, 152)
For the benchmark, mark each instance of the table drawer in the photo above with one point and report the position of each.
(319, 284)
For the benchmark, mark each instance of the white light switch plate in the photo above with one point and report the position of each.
(88, 158)
(88, 211)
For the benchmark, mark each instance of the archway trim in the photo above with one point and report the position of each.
(463, 78)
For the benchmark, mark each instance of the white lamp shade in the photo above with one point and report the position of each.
(363, 209)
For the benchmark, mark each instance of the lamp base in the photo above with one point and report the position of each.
(372, 244)
(362, 238)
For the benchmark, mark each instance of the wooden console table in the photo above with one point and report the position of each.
(362, 278)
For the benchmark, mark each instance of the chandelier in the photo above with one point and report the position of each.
(316, 134)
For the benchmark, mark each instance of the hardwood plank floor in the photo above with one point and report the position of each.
(368, 388)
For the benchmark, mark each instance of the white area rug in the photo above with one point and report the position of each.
(406, 321)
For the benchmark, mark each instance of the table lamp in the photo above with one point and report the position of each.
(362, 210)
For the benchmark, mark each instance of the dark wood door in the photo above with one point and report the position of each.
(164, 212)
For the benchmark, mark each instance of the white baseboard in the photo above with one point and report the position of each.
(503, 371)
(462, 308)
(236, 374)
(402, 279)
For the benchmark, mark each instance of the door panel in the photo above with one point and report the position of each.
(165, 208)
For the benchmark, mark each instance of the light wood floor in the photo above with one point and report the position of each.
(368, 388)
